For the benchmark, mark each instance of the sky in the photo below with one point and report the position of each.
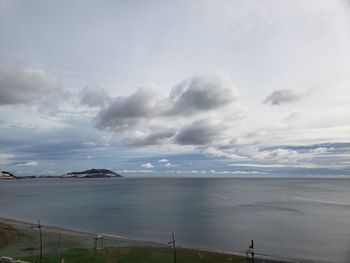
(205, 88)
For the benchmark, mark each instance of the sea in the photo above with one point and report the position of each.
(304, 218)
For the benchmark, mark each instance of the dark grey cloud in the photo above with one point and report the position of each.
(201, 94)
(197, 133)
(190, 97)
(125, 112)
(23, 85)
(153, 138)
(150, 117)
(284, 96)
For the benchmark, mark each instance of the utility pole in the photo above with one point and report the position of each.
(174, 247)
(59, 248)
(41, 240)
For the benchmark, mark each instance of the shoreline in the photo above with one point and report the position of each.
(57, 229)
(70, 231)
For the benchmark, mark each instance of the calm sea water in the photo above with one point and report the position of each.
(298, 218)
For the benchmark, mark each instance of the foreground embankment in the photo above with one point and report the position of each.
(22, 240)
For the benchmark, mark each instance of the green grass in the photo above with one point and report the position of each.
(29, 242)
(9, 235)
(74, 255)
(140, 254)
(23, 243)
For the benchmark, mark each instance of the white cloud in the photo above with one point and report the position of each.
(89, 144)
(163, 161)
(28, 164)
(257, 165)
(319, 150)
(279, 154)
(147, 165)
(137, 171)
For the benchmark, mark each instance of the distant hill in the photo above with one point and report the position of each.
(93, 173)
(7, 175)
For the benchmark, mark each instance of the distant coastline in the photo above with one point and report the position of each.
(92, 173)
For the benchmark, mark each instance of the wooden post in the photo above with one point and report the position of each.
(250, 251)
(41, 240)
(59, 248)
(252, 246)
(174, 246)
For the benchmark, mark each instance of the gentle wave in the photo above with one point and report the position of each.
(320, 201)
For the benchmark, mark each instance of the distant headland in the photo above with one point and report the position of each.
(7, 175)
(92, 173)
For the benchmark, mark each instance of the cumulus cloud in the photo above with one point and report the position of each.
(150, 105)
(147, 165)
(197, 133)
(284, 96)
(24, 85)
(199, 113)
(201, 94)
(124, 113)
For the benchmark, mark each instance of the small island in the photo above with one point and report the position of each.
(92, 173)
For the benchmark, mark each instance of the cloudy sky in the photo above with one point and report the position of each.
(234, 88)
